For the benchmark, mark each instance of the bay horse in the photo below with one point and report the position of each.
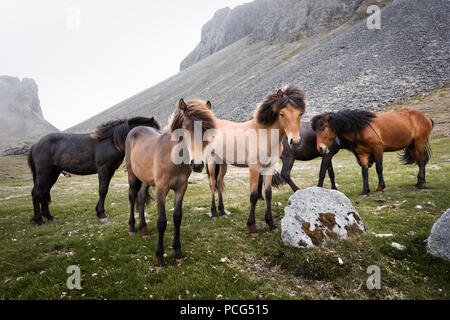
(150, 162)
(278, 113)
(369, 135)
(100, 152)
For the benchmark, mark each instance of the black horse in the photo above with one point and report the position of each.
(306, 152)
(100, 152)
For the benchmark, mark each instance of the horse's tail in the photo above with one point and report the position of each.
(277, 179)
(31, 163)
(216, 174)
(407, 158)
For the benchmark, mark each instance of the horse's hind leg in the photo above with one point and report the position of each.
(177, 216)
(104, 178)
(220, 184)
(134, 186)
(37, 194)
(418, 152)
(142, 199)
(52, 178)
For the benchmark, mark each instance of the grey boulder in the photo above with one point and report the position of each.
(316, 215)
(438, 243)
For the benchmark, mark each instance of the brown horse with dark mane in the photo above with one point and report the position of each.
(165, 162)
(100, 152)
(278, 114)
(369, 135)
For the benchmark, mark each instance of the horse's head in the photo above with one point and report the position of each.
(343, 124)
(194, 117)
(325, 135)
(287, 107)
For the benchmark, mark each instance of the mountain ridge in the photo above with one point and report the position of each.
(349, 66)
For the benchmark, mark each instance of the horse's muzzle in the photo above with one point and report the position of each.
(295, 144)
(323, 150)
(197, 167)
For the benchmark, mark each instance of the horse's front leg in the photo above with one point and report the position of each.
(364, 161)
(220, 184)
(288, 163)
(212, 188)
(161, 193)
(251, 223)
(104, 178)
(331, 175)
(268, 194)
(379, 167)
(177, 216)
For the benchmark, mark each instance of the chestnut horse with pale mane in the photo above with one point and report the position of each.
(369, 135)
(149, 162)
(281, 112)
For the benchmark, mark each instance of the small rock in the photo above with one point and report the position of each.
(398, 246)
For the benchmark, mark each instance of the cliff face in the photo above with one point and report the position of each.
(275, 21)
(226, 27)
(21, 111)
(347, 67)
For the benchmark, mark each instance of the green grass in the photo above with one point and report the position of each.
(114, 265)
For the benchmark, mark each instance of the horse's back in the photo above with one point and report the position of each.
(399, 128)
(74, 153)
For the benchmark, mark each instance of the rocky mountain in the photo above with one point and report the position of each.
(334, 57)
(21, 111)
(275, 21)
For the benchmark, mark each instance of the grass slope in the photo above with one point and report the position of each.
(222, 259)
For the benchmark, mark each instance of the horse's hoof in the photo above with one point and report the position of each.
(180, 260)
(364, 196)
(254, 234)
(145, 235)
(103, 220)
(160, 268)
(274, 230)
(38, 223)
(214, 218)
(50, 218)
(131, 233)
(378, 192)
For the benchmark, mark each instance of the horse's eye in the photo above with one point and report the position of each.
(281, 114)
(323, 129)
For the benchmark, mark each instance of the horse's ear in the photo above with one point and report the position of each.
(327, 118)
(208, 104)
(280, 94)
(182, 105)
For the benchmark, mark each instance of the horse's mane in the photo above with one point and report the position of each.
(196, 110)
(117, 130)
(344, 121)
(267, 112)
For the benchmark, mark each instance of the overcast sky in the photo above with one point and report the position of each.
(89, 55)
